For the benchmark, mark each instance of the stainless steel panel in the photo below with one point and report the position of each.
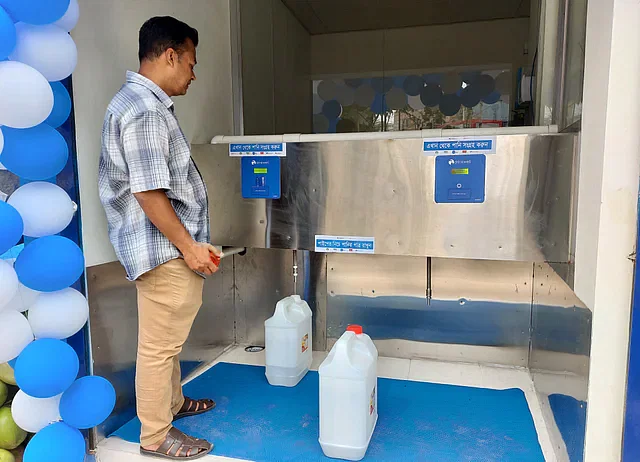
(315, 293)
(560, 325)
(385, 294)
(114, 331)
(478, 310)
(552, 184)
(385, 189)
(262, 278)
(485, 304)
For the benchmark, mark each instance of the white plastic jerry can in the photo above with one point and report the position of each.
(288, 342)
(349, 396)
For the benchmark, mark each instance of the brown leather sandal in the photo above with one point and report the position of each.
(194, 407)
(178, 446)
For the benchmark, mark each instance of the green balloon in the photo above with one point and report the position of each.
(4, 392)
(6, 374)
(6, 456)
(11, 436)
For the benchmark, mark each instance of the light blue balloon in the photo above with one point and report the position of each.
(49, 264)
(61, 105)
(46, 368)
(88, 402)
(37, 12)
(11, 227)
(7, 34)
(57, 442)
(37, 153)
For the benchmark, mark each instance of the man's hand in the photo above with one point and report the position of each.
(158, 209)
(198, 257)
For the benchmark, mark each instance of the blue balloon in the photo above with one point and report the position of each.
(88, 402)
(7, 34)
(382, 84)
(332, 109)
(11, 227)
(61, 105)
(398, 81)
(492, 98)
(413, 85)
(37, 153)
(432, 78)
(37, 12)
(46, 368)
(333, 125)
(49, 264)
(57, 442)
(379, 105)
(470, 77)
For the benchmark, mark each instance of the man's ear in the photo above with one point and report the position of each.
(171, 55)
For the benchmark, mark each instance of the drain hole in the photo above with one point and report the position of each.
(254, 349)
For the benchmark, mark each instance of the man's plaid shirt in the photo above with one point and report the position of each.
(143, 149)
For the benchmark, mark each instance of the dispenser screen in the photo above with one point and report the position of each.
(459, 171)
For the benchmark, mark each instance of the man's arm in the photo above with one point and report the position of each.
(158, 209)
(146, 149)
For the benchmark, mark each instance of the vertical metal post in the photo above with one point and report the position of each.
(236, 67)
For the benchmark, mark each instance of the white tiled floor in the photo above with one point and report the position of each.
(471, 375)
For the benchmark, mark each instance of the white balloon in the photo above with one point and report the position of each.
(48, 49)
(416, 103)
(15, 333)
(33, 414)
(59, 314)
(1, 141)
(317, 104)
(46, 209)
(26, 98)
(23, 299)
(8, 285)
(70, 18)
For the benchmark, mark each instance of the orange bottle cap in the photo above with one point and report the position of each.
(355, 329)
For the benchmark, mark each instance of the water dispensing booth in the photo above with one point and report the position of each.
(458, 263)
(449, 238)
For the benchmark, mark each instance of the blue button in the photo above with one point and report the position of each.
(459, 194)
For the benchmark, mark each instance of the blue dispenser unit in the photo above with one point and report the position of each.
(460, 179)
(260, 177)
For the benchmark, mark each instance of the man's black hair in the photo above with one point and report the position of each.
(159, 34)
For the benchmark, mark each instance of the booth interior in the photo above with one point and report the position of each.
(471, 290)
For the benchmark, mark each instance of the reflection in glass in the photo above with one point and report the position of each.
(463, 99)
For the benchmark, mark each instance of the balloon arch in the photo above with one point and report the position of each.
(39, 309)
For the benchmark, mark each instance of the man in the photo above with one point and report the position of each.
(157, 210)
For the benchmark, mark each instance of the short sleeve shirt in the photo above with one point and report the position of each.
(144, 149)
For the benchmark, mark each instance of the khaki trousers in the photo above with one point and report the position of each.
(169, 298)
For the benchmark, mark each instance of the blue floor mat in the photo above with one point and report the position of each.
(417, 421)
(571, 419)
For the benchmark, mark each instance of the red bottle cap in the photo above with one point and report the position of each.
(355, 329)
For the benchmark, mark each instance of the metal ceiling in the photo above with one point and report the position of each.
(333, 16)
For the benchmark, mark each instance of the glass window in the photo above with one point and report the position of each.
(468, 98)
